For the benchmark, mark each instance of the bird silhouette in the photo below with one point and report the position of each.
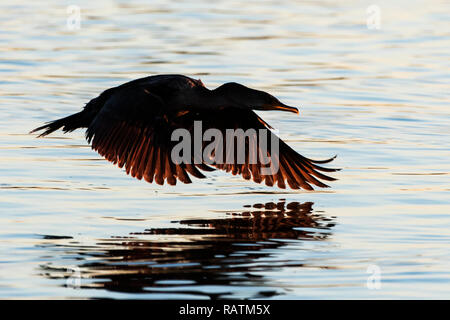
(132, 124)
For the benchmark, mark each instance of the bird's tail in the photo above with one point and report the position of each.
(70, 123)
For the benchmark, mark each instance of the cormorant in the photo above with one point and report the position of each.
(131, 125)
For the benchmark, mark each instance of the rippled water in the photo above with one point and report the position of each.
(378, 98)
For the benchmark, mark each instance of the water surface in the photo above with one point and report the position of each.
(74, 226)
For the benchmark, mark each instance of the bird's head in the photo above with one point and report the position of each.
(241, 96)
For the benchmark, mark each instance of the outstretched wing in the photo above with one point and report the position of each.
(293, 168)
(132, 131)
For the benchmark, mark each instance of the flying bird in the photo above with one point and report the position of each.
(131, 125)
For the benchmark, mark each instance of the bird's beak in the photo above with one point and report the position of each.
(281, 106)
(284, 107)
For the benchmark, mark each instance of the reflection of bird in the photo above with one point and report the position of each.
(228, 253)
(131, 125)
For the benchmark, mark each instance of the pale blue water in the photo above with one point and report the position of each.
(376, 98)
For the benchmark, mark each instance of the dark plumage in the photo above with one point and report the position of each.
(131, 126)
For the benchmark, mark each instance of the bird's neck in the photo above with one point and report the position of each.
(216, 99)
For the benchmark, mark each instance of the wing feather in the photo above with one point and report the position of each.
(134, 127)
(133, 133)
(150, 166)
(159, 170)
(294, 169)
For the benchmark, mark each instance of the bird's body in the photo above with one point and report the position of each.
(132, 124)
